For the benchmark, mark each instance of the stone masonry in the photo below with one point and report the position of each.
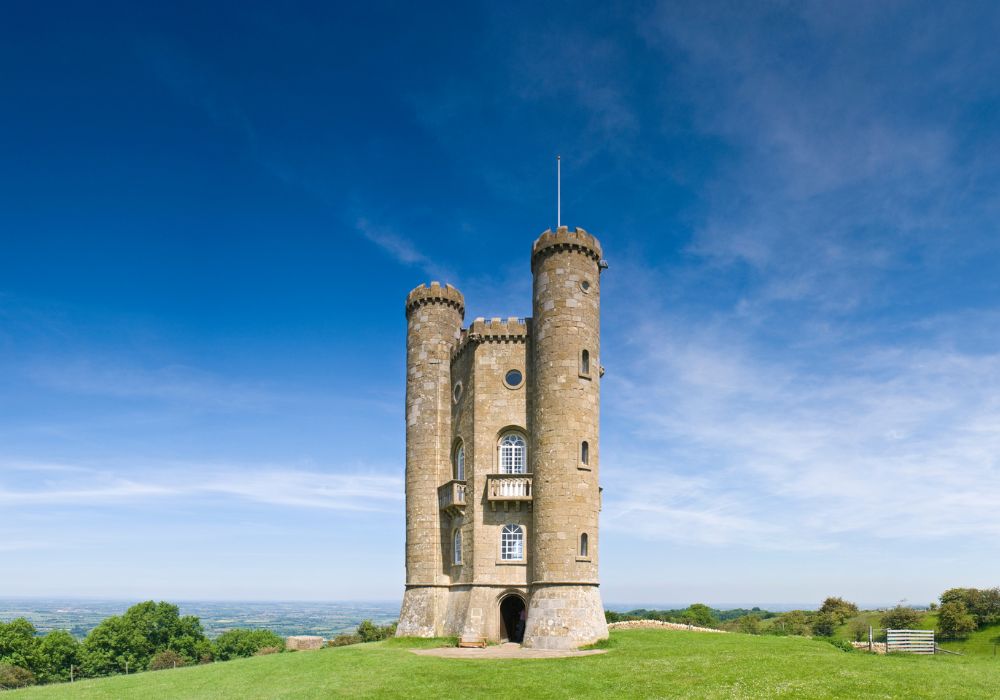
(501, 438)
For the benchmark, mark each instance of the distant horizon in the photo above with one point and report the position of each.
(614, 606)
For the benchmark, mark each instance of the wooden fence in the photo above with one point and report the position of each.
(912, 641)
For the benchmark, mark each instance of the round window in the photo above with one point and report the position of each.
(513, 378)
(457, 392)
(585, 286)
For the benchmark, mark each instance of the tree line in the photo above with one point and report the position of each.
(149, 636)
(961, 612)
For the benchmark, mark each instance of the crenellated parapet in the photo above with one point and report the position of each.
(564, 239)
(435, 294)
(494, 330)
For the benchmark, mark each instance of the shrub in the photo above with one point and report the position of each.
(748, 624)
(955, 621)
(15, 677)
(841, 644)
(264, 651)
(243, 642)
(901, 618)
(838, 609)
(700, 615)
(793, 622)
(343, 640)
(370, 632)
(168, 658)
(859, 630)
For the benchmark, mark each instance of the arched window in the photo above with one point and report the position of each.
(512, 454)
(583, 545)
(460, 462)
(511, 543)
(585, 452)
(585, 362)
(457, 544)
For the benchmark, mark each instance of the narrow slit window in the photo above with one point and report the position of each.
(585, 452)
(585, 362)
(584, 545)
(460, 462)
(458, 546)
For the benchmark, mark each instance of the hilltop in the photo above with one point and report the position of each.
(640, 663)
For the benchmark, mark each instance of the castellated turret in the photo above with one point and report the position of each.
(565, 609)
(434, 321)
(502, 495)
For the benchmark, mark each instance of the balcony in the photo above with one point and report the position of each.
(508, 489)
(451, 497)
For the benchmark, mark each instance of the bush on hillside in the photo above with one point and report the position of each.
(901, 618)
(343, 640)
(824, 624)
(264, 651)
(794, 622)
(859, 630)
(168, 658)
(130, 640)
(15, 677)
(245, 642)
(58, 651)
(955, 621)
(838, 609)
(841, 644)
(982, 604)
(748, 624)
(700, 615)
(370, 632)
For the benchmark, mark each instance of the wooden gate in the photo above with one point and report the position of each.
(912, 641)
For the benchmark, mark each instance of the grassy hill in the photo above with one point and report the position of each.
(639, 663)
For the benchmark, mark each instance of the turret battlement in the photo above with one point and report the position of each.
(494, 330)
(435, 294)
(564, 239)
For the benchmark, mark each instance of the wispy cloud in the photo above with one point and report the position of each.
(403, 250)
(270, 485)
(175, 383)
(750, 445)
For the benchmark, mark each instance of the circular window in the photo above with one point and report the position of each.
(457, 392)
(513, 378)
(585, 286)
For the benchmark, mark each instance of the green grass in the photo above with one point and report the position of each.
(984, 642)
(639, 663)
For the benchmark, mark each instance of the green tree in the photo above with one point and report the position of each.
(859, 630)
(370, 632)
(901, 618)
(955, 621)
(243, 642)
(982, 604)
(793, 622)
(131, 640)
(18, 644)
(58, 650)
(824, 623)
(700, 615)
(748, 624)
(841, 610)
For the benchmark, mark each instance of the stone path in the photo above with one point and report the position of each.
(504, 651)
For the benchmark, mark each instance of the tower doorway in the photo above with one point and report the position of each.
(513, 617)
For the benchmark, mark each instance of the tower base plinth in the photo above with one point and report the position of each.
(423, 609)
(564, 616)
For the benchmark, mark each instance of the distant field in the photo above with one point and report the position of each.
(640, 663)
(78, 617)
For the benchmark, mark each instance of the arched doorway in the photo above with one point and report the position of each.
(512, 618)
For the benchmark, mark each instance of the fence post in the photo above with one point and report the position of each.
(871, 639)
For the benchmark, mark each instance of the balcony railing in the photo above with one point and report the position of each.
(451, 496)
(507, 489)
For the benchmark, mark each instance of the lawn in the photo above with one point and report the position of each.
(639, 663)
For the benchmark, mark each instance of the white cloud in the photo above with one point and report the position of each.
(272, 485)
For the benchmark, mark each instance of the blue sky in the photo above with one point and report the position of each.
(211, 213)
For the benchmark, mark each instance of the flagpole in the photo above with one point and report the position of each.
(558, 191)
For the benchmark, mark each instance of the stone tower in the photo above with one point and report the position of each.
(502, 495)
